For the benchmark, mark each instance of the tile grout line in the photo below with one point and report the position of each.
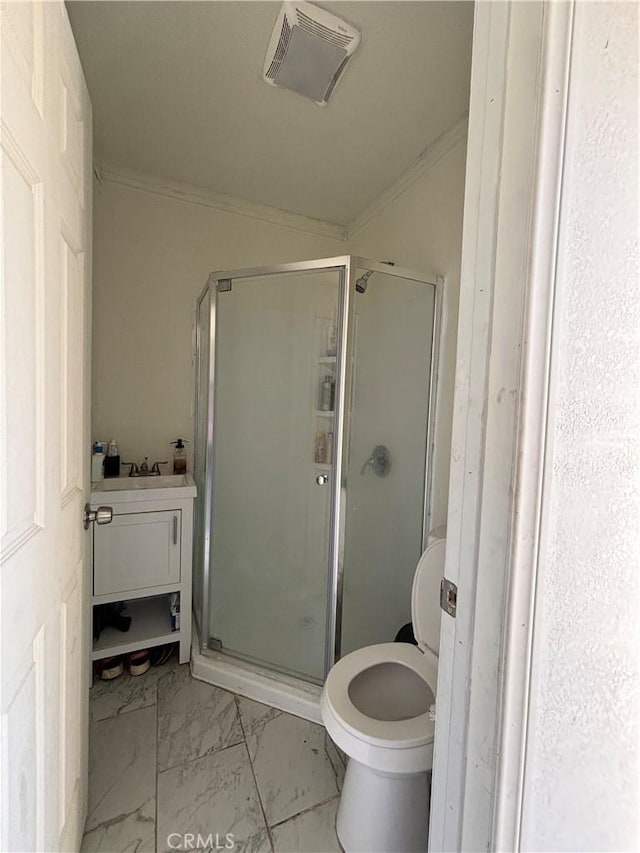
(339, 784)
(157, 706)
(155, 835)
(201, 757)
(213, 750)
(253, 774)
(305, 811)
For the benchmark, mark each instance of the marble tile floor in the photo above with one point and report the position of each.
(179, 764)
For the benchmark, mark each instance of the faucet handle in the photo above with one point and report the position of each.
(134, 471)
(155, 468)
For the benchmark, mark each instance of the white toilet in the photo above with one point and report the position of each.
(375, 705)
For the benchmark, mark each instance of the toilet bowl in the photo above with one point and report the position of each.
(375, 705)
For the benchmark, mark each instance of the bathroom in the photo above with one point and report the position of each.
(156, 241)
(363, 617)
(379, 316)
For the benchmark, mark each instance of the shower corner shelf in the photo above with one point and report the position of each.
(327, 359)
(320, 414)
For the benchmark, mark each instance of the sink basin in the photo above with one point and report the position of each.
(118, 484)
(123, 489)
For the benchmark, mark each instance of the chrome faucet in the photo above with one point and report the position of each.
(142, 470)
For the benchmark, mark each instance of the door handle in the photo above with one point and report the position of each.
(321, 479)
(102, 515)
(175, 529)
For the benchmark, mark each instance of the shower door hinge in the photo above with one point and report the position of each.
(215, 644)
(224, 284)
(448, 597)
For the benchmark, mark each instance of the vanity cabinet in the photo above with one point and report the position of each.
(137, 550)
(144, 559)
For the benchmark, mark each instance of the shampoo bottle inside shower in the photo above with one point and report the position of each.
(326, 395)
(320, 456)
(332, 338)
(329, 448)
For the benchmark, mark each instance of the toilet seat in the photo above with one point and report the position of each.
(397, 734)
(358, 702)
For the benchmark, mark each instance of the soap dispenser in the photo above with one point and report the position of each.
(180, 456)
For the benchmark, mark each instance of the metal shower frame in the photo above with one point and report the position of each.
(347, 266)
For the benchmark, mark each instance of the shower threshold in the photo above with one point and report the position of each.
(284, 692)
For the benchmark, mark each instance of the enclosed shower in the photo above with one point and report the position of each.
(315, 408)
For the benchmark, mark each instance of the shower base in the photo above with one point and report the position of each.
(258, 683)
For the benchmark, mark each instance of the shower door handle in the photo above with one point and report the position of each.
(321, 479)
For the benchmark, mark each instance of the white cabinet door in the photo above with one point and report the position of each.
(136, 551)
(45, 303)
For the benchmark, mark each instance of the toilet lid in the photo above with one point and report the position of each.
(425, 596)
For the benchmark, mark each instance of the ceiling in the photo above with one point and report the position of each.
(177, 92)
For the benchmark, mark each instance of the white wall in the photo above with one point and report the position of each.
(582, 781)
(422, 230)
(152, 256)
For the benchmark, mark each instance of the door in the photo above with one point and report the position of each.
(274, 417)
(46, 256)
(137, 550)
(388, 470)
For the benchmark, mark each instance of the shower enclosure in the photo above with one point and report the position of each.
(315, 390)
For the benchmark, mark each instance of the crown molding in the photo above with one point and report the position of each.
(438, 149)
(178, 191)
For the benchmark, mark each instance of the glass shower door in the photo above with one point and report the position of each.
(272, 468)
(386, 474)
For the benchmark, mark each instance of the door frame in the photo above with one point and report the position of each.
(517, 115)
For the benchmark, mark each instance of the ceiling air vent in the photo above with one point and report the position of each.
(309, 50)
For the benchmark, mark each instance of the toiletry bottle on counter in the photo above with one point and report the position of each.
(326, 394)
(97, 461)
(180, 456)
(112, 460)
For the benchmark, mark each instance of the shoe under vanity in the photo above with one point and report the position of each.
(143, 557)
